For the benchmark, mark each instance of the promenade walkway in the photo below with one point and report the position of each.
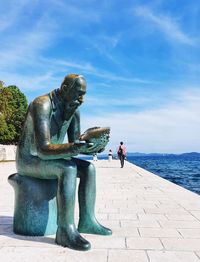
(152, 220)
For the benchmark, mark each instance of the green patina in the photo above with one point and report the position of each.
(47, 168)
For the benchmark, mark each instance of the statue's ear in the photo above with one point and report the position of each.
(65, 89)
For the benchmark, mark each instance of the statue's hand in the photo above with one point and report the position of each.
(96, 136)
(98, 133)
(90, 149)
(82, 147)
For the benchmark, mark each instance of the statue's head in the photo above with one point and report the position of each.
(73, 88)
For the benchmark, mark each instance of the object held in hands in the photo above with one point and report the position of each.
(98, 136)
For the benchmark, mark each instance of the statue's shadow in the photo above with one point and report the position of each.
(6, 229)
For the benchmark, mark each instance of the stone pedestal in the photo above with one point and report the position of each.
(35, 211)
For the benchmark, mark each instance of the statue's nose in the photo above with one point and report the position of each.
(81, 99)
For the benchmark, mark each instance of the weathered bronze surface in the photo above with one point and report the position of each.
(42, 154)
(35, 205)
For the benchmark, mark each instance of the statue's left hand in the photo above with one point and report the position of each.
(87, 148)
(97, 136)
(94, 146)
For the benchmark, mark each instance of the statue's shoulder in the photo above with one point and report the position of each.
(42, 102)
(44, 99)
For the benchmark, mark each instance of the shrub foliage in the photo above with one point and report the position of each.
(13, 106)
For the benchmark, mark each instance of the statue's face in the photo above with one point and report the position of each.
(75, 95)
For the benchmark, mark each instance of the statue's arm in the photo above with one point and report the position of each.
(45, 149)
(74, 135)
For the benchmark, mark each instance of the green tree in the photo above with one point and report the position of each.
(7, 131)
(13, 106)
(1, 84)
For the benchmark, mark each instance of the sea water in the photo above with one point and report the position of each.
(183, 170)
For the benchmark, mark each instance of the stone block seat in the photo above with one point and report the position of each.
(35, 211)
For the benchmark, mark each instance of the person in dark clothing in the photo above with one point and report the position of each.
(121, 153)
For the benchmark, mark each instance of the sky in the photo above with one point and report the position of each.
(140, 58)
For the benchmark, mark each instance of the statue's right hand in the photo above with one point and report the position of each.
(83, 147)
(89, 148)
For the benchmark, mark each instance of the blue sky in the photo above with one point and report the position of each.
(141, 60)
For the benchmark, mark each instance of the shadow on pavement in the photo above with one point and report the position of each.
(6, 229)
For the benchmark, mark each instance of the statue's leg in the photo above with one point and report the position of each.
(87, 197)
(66, 171)
(67, 234)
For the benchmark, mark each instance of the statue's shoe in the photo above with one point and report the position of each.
(72, 240)
(93, 228)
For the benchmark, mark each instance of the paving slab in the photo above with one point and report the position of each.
(152, 220)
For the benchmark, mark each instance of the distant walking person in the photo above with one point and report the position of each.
(110, 155)
(95, 157)
(121, 153)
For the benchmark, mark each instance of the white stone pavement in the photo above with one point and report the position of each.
(152, 220)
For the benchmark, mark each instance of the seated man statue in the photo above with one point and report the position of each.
(42, 154)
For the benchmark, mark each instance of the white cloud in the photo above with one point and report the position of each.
(43, 82)
(28, 55)
(113, 77)
(76, 14)
(11, 13)
(105, 44)
(85, 66)
(130, 101)
(166, 24)
(21, 53)
(174, 128)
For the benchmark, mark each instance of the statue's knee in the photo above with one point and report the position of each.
(91, 169)
(67, 168)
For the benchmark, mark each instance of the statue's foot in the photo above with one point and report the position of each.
(70, 237)
(93, 227)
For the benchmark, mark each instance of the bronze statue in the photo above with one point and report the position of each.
(42, 154)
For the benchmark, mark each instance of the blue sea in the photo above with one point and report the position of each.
(183, 170)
